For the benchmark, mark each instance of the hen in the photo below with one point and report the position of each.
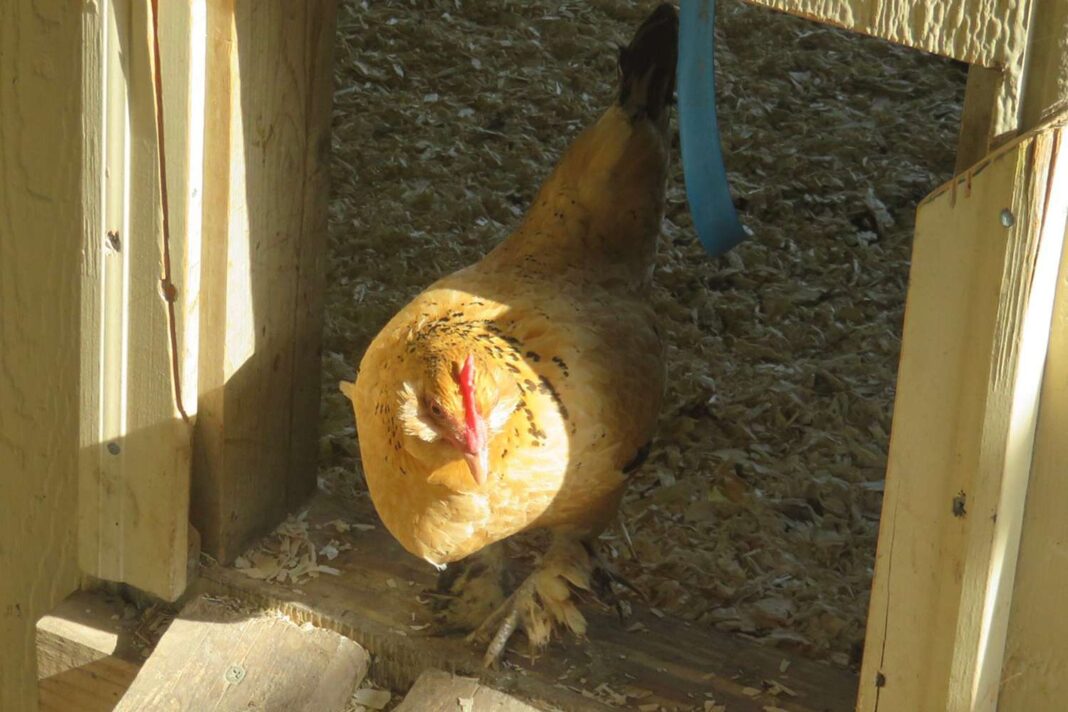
(519, 392)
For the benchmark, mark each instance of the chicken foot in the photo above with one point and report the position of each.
(542, 602)
(469, 590)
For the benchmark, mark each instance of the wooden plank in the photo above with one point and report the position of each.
(373, 600)
(438, 691)
(94, 687)
(986, 32)
(1035, 654)
(136, 452)
(215, 656)
(269, 91)
(41, 219)
(85, 660)
(977, 124)
(977, 317)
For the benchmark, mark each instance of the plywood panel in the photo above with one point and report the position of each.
(976, 320)
(269, 91)
(40, 227)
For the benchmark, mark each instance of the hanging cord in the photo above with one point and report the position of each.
(167, 288)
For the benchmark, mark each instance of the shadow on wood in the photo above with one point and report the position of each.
(266, 139)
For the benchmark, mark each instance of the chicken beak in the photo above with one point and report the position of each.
(478, 463)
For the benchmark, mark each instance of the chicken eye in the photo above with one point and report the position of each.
(436, 410)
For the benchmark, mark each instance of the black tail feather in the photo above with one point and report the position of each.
(647, 64)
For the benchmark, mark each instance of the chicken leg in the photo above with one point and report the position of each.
(543, 601)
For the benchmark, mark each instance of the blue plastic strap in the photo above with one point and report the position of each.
(707, 190)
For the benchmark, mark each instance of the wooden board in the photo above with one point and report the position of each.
(977, 319)
(217, 657)
(986, 32)
(85, 660)
(269, 87)
(41, 221)
(438, 691)
(136, 452)
(374, 601)
(1036, 655)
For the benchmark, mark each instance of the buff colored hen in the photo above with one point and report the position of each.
(517, 393)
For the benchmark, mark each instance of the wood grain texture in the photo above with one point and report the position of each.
(986, 32)
(437, 691)
(40, 225)
(136, 452)
(282, 666)
(373, 601)
(267, 127)
(84, 657)
(1022, 330)
(1035, 652)
(963, 424)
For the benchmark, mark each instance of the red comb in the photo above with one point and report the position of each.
(471, 419)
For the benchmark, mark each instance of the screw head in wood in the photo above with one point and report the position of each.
(114, 448)
(234, 674)
(1007, 218)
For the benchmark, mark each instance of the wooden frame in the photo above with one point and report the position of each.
(136, 451)
(41, 217)
(944, 612)
(269, 91)
(976, 328)
(97, 457)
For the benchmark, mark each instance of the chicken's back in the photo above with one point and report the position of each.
(600, 208)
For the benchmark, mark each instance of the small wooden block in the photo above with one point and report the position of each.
(219, 658)
(437, 691)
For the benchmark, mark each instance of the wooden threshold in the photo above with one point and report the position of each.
(663, 661)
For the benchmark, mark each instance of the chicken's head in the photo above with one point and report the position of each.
(462, 404)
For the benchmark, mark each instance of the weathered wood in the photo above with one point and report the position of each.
(438, 691)
(269, 87)
(84, 658)
(374, 601)
(977, 320)
(41, 219)
(217, 657)
(136, 452)
(986, 32)
(1036, 655)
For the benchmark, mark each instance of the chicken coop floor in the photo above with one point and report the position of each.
(757, 511)
(360, 583)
